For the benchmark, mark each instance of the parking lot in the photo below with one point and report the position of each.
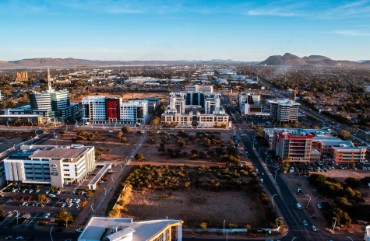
(27, 204)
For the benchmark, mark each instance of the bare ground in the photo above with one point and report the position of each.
(195, 206)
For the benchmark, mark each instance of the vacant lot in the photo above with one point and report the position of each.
(8, 140)
(195, 206)
(104, 139)
(155, 157)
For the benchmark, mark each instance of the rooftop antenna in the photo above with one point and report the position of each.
(49, 82)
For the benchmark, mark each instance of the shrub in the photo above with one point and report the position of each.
(139, 157)
(126, 129)
(114, 213)
(203, 226)
(233, 225)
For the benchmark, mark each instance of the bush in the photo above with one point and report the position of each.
(203, 226)
(126, 129)
(353, 182)
(233, 225)
(114, 213)
(139, 157)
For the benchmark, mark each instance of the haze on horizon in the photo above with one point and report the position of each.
(184, 30)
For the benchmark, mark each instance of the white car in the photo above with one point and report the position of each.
(24, 191)
(47, 192)
(52, 195)
(15, 190)
(63, 205)
(78, 201)
(70, 205)
(102, 182)
(37, 190)
(314, 228)
(31, 191)
(20, 237)
(78, 206)
(47, 215)
(59, 192)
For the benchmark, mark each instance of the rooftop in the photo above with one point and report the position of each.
(283, 102)
(143, 230)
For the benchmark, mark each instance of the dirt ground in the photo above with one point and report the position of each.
(119, 150)
(292, 180)
(8, 140)
(195, 206)
(154, 157)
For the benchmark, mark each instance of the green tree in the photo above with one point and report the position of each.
(344, 134)
(119, 134)
(203, 226)
(126, 129)
(109, 151)
(139, 157)
(64, 216)
(2, 212)
(259, 130)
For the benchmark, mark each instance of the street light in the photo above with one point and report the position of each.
(294, 238)
(334, 223)
(273, 200)
(50, 233)
(112, 178)
(92, 207)
(349, 238)
(277, 223)
(308, 200)
(105, 191)
(17, 215)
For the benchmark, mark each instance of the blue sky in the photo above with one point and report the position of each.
(183, 30)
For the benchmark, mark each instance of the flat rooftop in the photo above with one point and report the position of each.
(144, 230)
(22, 115)
(50, 151)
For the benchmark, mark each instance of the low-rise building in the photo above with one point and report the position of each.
(125, 229)
(254, 102)
(51, 165)
(9, 119)
(206, 89)
(101, 110)
(347, 154)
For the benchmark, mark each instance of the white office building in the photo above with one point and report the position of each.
(284, 110)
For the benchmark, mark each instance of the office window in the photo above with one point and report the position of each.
(66, 170)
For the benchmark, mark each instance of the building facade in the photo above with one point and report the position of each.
(195, 109)
(347, 154)
(21, 77)
(46, 164)
(206, 89)
(103, 110)
(254, 102)
(284, 110)
(34, 119)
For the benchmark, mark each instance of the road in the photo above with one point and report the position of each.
(286, 202)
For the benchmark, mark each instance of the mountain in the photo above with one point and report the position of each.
(365, 62)
(72, 63)
(293, 60)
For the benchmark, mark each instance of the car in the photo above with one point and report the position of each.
(313, 228)
(63, 205)
(37, 190)
(31, 191)
(59, 192)
(70, 205)
(15, 190)
(24, 191)
(246, 152)
(9, 238)
(75, 199)
(52, 195)
(305, 223)
(319, 206)
(47, 215)
(20, 237)
(79, 230)
(47, 192)
(78, 206)
(78, 200)
(102, 182)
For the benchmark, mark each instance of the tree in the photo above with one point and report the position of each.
(123, 139)
(2, 212)
(64, 215)
(156, 121)
(259, 130)
(126, 129)
(139, 157)
(62, 132)
(119, 134)
(353, 182)
(41, 198)
(109, 151)
(89, 194)
(344, 134)
(203, 226)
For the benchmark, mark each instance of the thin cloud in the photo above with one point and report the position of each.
(351, 33)
(359, 9)
(279, 9)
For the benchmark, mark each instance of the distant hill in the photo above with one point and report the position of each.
(366, 62)
(293, 60)
(72, 63)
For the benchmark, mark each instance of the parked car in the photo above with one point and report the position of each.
(20, 237)
(9, 238)
(15, 190)
(37, 190)
(79, 230)
(305, 223)
(47, 192)
(31, 191)
(47, 215)
(313, 228)
(70, 205)
(52, 195)
(24, 191)
(319, 206)
(59, 192)
(63, 205)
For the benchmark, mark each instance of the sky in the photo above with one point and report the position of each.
(184, 30)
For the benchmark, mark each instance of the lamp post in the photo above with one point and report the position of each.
(277, 223)
(224, 227)
(51, 229)
(92, 207)
(105, 190)
(294, 238)
(349, 238)
(7, 123)
(334, 223)
(308, 200)
(112, 178)
(17, 215)
(273, 200)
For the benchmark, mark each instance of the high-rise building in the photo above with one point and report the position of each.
(53, 105)
(253, 102)
(284, 110)
(195, 109)
(102, 110)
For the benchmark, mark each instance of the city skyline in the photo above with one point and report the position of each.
(191, 30)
